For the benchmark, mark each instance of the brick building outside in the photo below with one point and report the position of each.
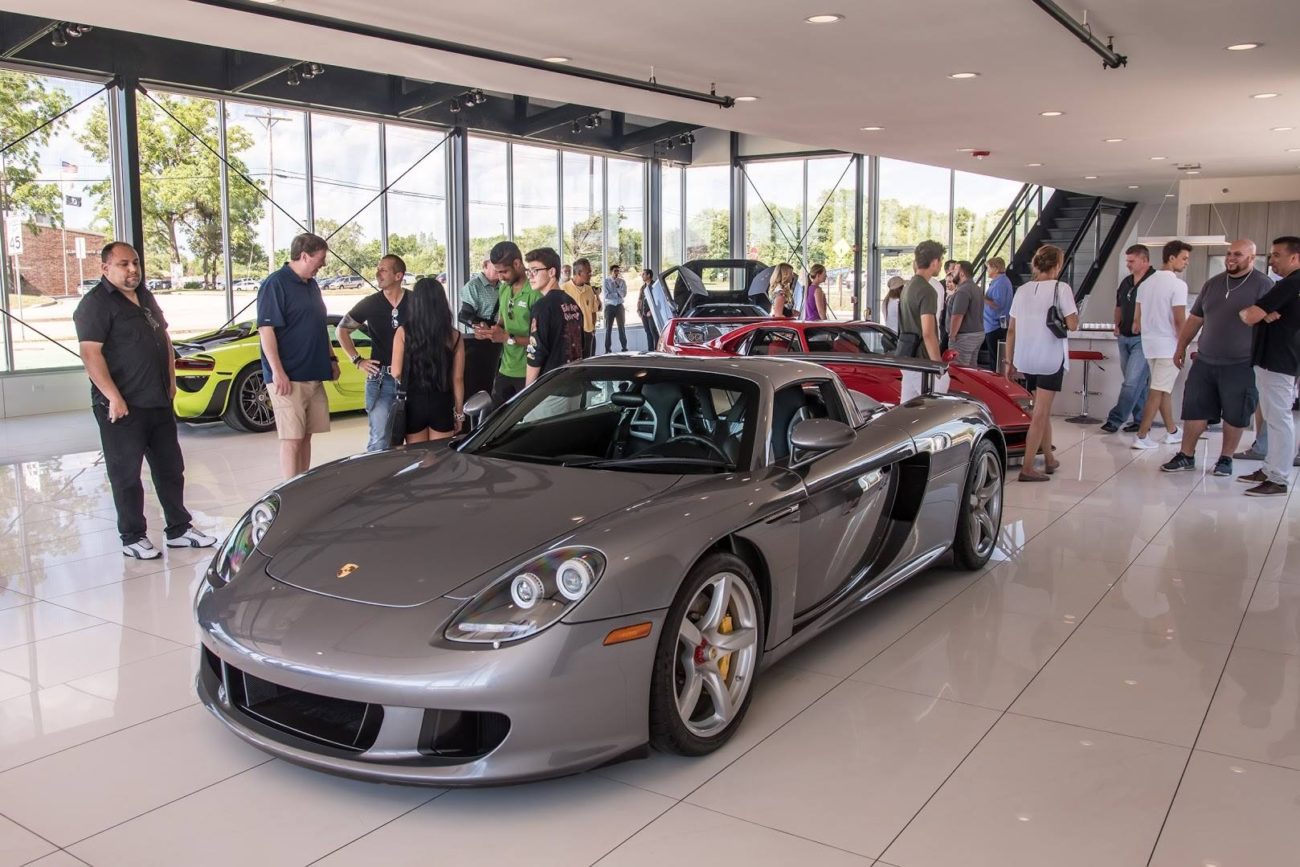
(49, 263)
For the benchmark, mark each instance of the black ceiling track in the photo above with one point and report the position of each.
(1110, 59)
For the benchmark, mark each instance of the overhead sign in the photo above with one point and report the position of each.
(13, 234)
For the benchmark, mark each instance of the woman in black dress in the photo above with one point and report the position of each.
(429, 363)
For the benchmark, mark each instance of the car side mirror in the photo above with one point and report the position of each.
(821, 435)
(478, 405)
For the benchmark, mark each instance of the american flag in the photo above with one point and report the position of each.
(68, 168)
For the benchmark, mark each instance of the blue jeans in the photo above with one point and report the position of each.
(1137, 376)
(381, 394)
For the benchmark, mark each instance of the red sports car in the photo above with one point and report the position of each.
(1010, 404)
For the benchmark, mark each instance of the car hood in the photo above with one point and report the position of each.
(401, 532)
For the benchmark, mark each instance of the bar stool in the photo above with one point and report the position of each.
(1087, 356)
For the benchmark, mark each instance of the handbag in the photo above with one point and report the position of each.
(397, 420)
(1055, 321)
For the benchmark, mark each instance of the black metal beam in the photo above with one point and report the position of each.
(651, 134)
(1110, 59)
(279, 67)
(553, 117)
(25, 34)
(424, 97)
(358, 29)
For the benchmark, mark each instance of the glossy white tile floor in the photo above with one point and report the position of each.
(1120, 687)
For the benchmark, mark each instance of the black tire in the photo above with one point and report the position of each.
(669, 732)
(248, 408)
(980, 517)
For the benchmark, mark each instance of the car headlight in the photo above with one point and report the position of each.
(1026, 403)
(529, 598)
(243, 540)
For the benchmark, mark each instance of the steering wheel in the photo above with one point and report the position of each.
(692, 438)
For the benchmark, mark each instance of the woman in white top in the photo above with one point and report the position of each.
(893, 300)
(1042, 357)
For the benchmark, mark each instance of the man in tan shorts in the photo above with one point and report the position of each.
(296, 354)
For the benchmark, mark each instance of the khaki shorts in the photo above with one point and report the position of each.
(303, 411)
(1164, 375)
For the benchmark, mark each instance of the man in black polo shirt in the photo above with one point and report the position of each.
(380, 314)
(555, 333)
(1276, 319)
(129, 358)
(296, 353)
(1132, 362)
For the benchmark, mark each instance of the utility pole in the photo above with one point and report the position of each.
(268, 122)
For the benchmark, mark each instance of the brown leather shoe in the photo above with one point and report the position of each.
(1255, 478)
(1267, 489)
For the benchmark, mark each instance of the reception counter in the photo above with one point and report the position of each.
(1105, 378)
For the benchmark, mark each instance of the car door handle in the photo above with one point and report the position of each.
(867, 481)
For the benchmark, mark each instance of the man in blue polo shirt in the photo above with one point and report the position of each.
(296, 353)
(997, 308)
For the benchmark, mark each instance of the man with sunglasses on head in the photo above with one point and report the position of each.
(514, 317)
(132, 369)
(378, 314)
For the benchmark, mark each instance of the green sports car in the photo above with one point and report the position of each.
(219, 378)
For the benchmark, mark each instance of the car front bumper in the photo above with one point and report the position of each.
(303, 673)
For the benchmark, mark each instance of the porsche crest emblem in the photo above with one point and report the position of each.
(347, 569)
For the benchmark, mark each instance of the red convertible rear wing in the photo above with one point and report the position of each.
(929, 370)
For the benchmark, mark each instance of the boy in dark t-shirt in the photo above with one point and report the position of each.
(555, 333)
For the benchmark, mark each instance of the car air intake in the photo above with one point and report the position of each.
(456, 734)
(334, 722)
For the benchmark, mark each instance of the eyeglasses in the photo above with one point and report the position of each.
(533, 272)
(148, 317)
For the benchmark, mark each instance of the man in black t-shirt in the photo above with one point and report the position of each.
(129, 358)
(555, 333)
(1276, 355)
(379, 315)
(1132, 361)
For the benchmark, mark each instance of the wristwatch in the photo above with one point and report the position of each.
(356, 359)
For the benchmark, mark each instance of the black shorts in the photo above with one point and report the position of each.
(505, 388)
(431, 409)
(1045, 381)
(1225, 391)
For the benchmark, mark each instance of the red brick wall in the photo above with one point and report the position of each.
(41, 262)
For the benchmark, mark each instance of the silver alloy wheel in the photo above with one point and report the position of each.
(255, 400)
(714, 667)
(984, 511)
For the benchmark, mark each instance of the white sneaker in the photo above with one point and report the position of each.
(141, 550)
(1174, 437)
(192, 538)
(1144, 443)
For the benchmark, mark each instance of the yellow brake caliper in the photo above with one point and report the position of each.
(724, 664)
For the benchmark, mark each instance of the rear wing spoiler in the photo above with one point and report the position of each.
(929, 370)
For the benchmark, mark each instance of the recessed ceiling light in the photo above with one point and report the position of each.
(824, 19)
(1134, 187)
(962, 75)
(1193, 171)
(1262, 95)
(872, 128)
(1090, 177)
(1034, 165)
(1160, 158)
(1243, 46)
(1169, 195)
(556, 59)
(965, 150)
(1293, 150)
(747, 99)
(1113, 140)
(1282, 128)
(1051, 113)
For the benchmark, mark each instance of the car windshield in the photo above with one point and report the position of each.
(628, 419)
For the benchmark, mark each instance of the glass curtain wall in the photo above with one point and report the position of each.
(915, 202)
(347, 176)
(625, 213)
(417, 200)
(831, 203)
(56, 204)
(672, 185)
(489, 197)
(978, 203)
(584, 209)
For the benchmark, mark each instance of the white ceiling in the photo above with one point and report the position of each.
(1182, 96)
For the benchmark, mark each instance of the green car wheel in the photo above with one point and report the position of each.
(249, 408)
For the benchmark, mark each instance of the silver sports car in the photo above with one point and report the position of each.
(609, 562)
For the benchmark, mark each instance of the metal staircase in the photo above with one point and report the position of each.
(1086, 227)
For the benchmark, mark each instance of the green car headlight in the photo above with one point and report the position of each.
(529, 598)
(243, 540)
